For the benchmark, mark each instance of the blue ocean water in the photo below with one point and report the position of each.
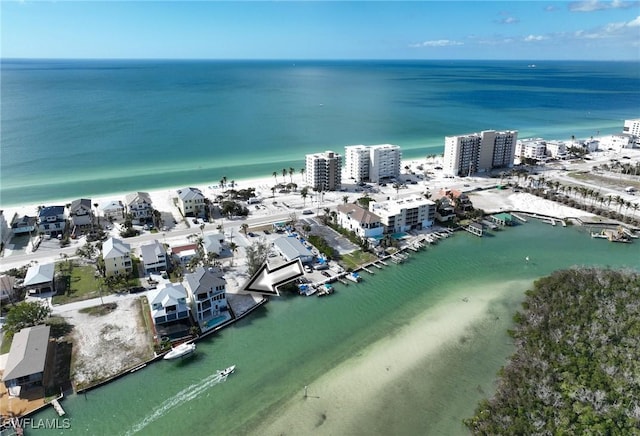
(72, 128)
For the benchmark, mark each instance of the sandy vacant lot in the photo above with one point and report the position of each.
(105, 345)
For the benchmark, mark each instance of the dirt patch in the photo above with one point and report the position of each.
(108, 344)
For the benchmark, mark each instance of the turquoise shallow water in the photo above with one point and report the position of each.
(82, 128)
(293, 341)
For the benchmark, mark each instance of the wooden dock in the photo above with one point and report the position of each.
(367, 270)
(58, 408)
(521, 218)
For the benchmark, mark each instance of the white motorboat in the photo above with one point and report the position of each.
(227, 371)
(180, 351)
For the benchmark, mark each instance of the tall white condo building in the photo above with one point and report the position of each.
(479, 152)
(372, 163)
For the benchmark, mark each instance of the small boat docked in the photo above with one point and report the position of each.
(227, 371)
(327, 289)
(180, 351)
(354, 277)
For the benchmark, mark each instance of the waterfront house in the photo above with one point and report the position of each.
(21, 225)
(113, 210)
(117, 257)
(40, 278)
(80, 212)
(170, 310)
(139, 205)
(154, 257)
(206, 289)
(27, 359)
(359, 220)
(52, 220)
(7, 289)
(191, 202)
(214, 243)
(291, 248)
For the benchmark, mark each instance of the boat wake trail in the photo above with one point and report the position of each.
(187, 394)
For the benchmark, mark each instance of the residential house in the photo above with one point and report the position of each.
(52, 220)
(184, 253)
(117, 257)
(7, 288)
(458, 199)
(359, 220)
(206, 289)
(154, 257)
(214, 243)
(80, 212)
(113, 210)
(40, 278)
(139, 205)
(191, 202)
(291, 248)
(23, 225)
(27, 359)
(170, 310)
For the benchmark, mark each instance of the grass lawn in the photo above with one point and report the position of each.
(81, 284)
(356, 259)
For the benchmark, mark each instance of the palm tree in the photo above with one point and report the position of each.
(232, 248)
(244, 227)
(291, 171)
(345, 199)
(275, 176)
(284, 173)
(635, 208)
(97, 216)
(304, 193)
(302, 170)
(273, 191)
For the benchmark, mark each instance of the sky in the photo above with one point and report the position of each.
(531, 30)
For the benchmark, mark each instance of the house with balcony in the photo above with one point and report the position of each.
(113, 210)
(80, 213)
(191, 202)
(214, 243)
(360, 221)
(24, 225)
(170, 310)
(410, 213)
(139, 206)
(117, 257)
(207, 294)
(154, 257)
(52, 220)
(27, 359)
(40, 278)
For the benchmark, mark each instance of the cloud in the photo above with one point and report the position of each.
(551, 8)
(597, 5)
(611, 30)
(508, 20)
(534, 38)
(437, 43)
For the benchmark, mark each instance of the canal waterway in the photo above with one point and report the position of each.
(410, 350)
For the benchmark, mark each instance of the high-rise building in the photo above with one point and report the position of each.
(324, 171)
(372, 163)
(632, 127)
(479, 152)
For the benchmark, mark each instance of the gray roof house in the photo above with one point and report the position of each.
(291, 248)
(7, 288)
(213, 243)
(206, 288)
(80, 212)
(191, 201)
(39, 278)
(139, 205)
(154, 257)
(168, 303)
(113, 209)
(27, 358)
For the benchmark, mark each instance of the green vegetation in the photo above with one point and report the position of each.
(103, 309)
(356, 259)
(323, 247)
(75, 282)
(22, 315)
(575, 369)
